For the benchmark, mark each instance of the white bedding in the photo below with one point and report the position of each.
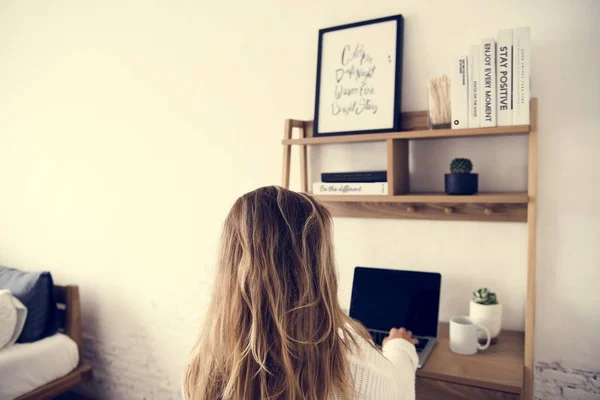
(26, 366)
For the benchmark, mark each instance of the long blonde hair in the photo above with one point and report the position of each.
(275, 329)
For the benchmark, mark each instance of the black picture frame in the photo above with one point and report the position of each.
(397, 93)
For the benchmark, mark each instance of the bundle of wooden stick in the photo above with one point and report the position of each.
(439, 101)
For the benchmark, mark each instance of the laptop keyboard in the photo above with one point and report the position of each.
(379, 336)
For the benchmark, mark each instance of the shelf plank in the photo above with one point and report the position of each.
(430, 211)
(418, 134)
(482, 198)
(497, 207)
(497, 368)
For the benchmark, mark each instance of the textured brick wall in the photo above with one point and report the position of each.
(140, 353)
(555, 382)
(128, 370)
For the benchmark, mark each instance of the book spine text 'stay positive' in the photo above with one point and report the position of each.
(473, 89)
(521, 76)
(459, 94)
(350, 188)
(504, 81)
(488, 83)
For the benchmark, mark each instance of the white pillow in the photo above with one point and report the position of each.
(12, 318)
(21, 317)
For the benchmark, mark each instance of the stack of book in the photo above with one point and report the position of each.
(490, 85)
(352, 183)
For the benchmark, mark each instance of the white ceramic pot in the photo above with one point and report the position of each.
(489, 316)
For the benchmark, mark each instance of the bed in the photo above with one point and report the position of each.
(51, 366)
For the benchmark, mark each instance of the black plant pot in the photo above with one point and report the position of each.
(464, 183)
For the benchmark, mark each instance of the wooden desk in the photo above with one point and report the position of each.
(496, 373)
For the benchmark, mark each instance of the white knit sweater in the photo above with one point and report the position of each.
(387, 376)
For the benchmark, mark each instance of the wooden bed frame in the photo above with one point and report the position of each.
(67, 302)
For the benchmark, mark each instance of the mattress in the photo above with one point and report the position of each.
(27, 366)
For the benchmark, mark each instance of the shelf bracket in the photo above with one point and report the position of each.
(305, 128)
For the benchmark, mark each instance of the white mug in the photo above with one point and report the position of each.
(463, 336)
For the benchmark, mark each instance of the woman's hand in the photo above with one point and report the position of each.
(400, 334)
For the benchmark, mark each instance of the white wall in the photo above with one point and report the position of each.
(127, 129)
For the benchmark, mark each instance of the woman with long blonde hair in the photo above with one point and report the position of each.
(275, 329)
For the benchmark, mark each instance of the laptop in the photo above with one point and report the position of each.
(383, 299)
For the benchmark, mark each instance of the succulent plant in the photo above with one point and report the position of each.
(485, 297)
(461, 166)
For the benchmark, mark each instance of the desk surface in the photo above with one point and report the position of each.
(500, 367)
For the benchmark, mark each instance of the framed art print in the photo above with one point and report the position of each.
(359, 78)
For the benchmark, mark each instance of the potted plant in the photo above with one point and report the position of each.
(460, 180)
(485, 310)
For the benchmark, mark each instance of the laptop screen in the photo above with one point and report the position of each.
(383, 299)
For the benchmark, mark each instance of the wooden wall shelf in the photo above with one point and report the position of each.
(399, 203)
(412, 135)
(509, 212)
(498, 207)
(416, 198)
